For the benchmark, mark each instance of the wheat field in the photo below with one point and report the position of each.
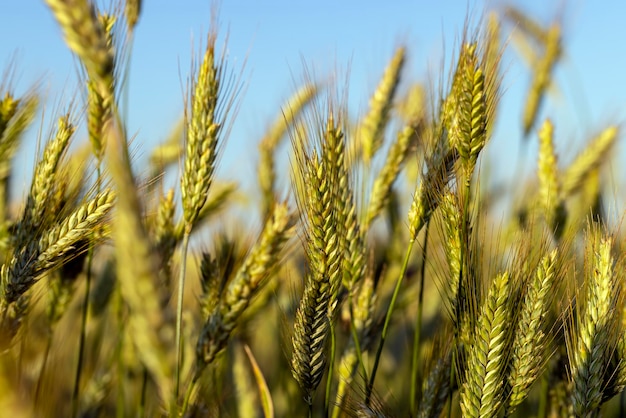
(383, 282)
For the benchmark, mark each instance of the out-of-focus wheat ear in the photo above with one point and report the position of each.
(396, 156)
(237, 295)
(372, 128)
(548, 173)
(164, 238)
(267, 147)
(542, 75)
(436, 386)
(587, 160)
(44, 179)
(481, 392)
(132, 11)
(526, 24)
(137, 266)
(97, 113)
(528, 356)
(15, 116)
(86, 37)
(99, 101)
(591, 336)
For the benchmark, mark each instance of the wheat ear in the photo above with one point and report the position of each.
(590, 158)
(374, 123)
(541, 76)
(86, 37)
(314, 316)
(481, 392)
(273, 137)
(591, 339)
(529, 342)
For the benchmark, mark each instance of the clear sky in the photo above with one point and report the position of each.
(275, 37)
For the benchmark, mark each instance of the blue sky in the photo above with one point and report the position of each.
(275, 38)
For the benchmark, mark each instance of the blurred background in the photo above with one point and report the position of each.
(271, 42)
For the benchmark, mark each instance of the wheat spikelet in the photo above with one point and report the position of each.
(529, 341)
(373, 125)
(481, 393)
(239, 292)
(589, 159)
(592, 339)
(86, 37)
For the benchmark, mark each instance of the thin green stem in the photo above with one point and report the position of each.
(415, 370)
(383, 336)
(179, 310)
